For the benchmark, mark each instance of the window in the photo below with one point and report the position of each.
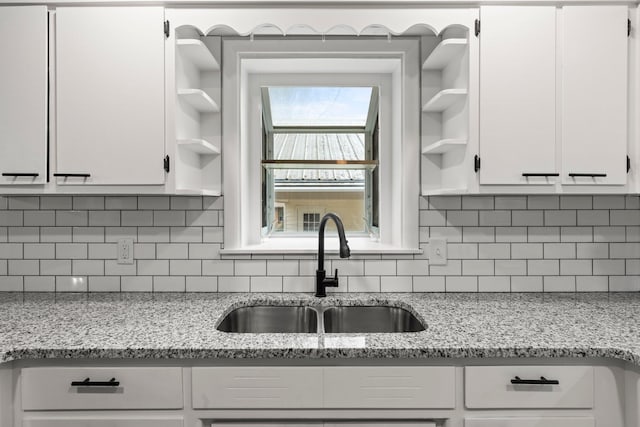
(310, 221)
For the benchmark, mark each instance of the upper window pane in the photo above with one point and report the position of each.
(319, 106)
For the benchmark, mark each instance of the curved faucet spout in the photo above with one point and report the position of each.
(322, 281)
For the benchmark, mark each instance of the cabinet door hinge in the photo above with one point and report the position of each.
(477, 27)
(628, 27)
(476, 163)
(628, 164)
(166, 28)
(167, 164)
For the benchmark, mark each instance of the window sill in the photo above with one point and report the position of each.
(309, 246)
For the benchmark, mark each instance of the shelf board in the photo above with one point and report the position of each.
(444, 53)
(320, 164)
(443, 100)
(192, 192)
(444, 146)
(199, 100)
(196, 51)
(199, 146)
(445, 191)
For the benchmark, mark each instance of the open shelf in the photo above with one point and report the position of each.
(196, 52)
(444, 145)
(199, 146)
(192, 192)
(443, 100)
(444, 53)
(199, 100)
(444, 191)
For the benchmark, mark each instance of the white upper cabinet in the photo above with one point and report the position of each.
(518, 95)
(594, 94)
(23, 95)
(110, 95)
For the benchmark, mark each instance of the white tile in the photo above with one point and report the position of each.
(169, 284)
(136, 284)
(526, 284)
(104, 218)
(233, 284)
(593, 217)
(72, 218)
(104, 251)
(624, 250)
(527, 218)
(461, 284)
(153, 267)
(453, 267)
(428, 284)
(633, 267)
(144, 251)
(266, 284)
(445, 202)
(494, 284)
(11, 284)
(212, 234)
(282, 268)
(56, 202)
(345, 267)
(217, 267)
(478, 234)
(172, 251)
(452, 234)
(20, 267)
(181, 267)
(433, 218)
(609, 234)
(625, 217)
(380, 267)
(632, 202)
(3, 267)
(560, 217)
(81, 267)
(559, 284)
(11, 218)
(11, 251)
(250, 268)
(396, 284)
(511, 267)
(71, 251)
(59, 267)
(473, 267)
(23, 203)
(136, 218)
(104, 284)
(121, 203)
(495, 218)
(559, 250)
(153, 202)
(547, 267)
(624, 283)
(477, 202)
(3, 202)
(298, 284)
(202, 284)
(88, 234)
(575, 267)
(210, 202)
(462, 218)
(153, 234)
(40, 218)
(417, 267)
(202, 218)
(494, 251)
(592, 284)
(608, 267)
(23, 234)
(308, 267)
(576, 202)
(543, 202)
(609, 202)
(633, 233)
(511, 234)
(112, 268)
(71, 284)
(113, 234)
(510, 202)
(593, 250)
(544, 234)
(462, 250)
(526, 250)
(361, 284)
(186, 202)
(204, 250)
(169, 218)
(39, 284)
(88, 203)
(186, 234)
(3, 235)
(576, 234)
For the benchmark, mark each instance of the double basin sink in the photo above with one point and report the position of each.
(330, 320)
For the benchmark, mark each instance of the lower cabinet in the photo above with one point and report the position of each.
(530, 422)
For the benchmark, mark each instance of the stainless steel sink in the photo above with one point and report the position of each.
(374, 319)
(270, 319)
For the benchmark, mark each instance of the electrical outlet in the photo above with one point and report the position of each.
(125, 251)
(437, 251)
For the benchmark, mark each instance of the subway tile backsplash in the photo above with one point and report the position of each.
(495, 244)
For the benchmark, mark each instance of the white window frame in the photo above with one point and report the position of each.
(393, 66)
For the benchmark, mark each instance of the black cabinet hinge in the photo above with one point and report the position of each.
(166, 28)
(476, 163)
(167, 164)
(628, 164)
(628, 27)
(477, 27)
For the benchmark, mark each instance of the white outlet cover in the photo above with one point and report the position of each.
(125, 251)
(437, 251)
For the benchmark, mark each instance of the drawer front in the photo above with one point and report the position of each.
(139, 388)
(257, 387)
(491, 387)
(531, 422)
(103, 422)
(389, 387)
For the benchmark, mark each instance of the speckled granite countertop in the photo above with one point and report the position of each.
(183, 326)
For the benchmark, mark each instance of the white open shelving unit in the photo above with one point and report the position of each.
(445, 112)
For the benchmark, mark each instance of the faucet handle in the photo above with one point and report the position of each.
(335, 276)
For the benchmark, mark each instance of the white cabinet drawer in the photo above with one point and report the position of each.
(530, 422)
(257, 387)
(109, 421)
(139, 388)
(491, 387)
(389, 387)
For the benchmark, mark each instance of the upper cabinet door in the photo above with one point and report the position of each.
(110, 95)
(517, 94)
(23, 95)
(594, 94)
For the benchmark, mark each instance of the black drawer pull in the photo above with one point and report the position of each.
(541, 381)
(20, 174)
(72, 175)
(588, 175)
(88, 383)
(540, 174)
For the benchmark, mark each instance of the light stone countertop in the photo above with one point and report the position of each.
(183, 326)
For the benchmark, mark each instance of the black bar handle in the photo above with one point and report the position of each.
(541, 381)
(88, 383)
(589, 175)
(526, 174)
(20, 174)
(72, 175)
